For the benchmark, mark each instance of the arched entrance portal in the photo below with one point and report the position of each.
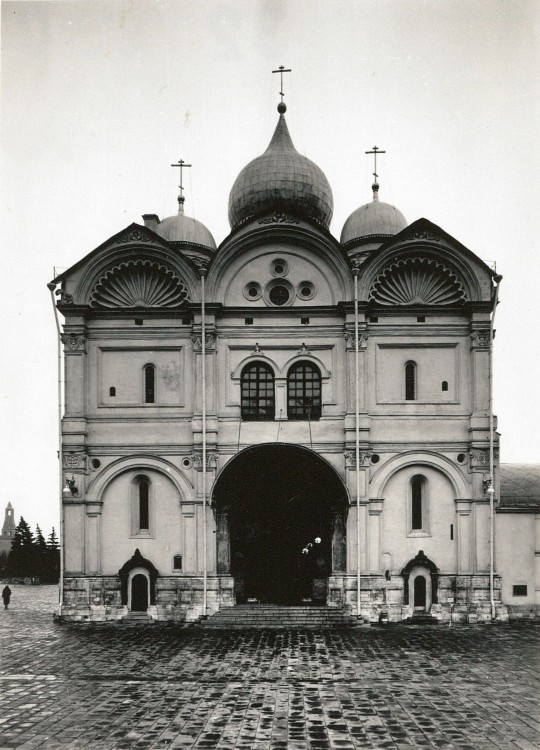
(273, 502)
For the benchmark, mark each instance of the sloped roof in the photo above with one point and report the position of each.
(520, 487)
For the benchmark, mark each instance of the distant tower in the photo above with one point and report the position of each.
(8, 529)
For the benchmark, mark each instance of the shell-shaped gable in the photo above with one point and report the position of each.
(422, 281)
(139, 283)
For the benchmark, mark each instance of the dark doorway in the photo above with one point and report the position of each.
(278, 500)
(139, 593)
(419, 592)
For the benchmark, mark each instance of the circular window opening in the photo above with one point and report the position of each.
(252, 290)
(306, 290)
(279, 267)
(279, 295)
(461, 458)
(96, 463)
(186, 463)
(375, 458)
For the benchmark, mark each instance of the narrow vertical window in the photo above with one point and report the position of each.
(149, 384)
(144, 505)
(410, 381)
(417, 510)
(257, 384)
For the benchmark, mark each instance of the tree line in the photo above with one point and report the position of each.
(31, 555)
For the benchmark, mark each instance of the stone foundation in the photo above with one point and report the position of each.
(460, 598)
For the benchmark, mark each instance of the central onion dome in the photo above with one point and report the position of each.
(182, 228)
(372, 223)
(281, 179)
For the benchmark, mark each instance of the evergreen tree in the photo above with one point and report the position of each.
(53, 558)
(21, 557)
(41, 558)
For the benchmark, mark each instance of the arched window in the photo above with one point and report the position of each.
(410, 381)
(141, 498)
(144, 504)
(304, 392)
(418, 506)
(417, 486)
(149, 384)
(257, 384)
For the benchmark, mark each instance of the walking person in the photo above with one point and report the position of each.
(6, 596)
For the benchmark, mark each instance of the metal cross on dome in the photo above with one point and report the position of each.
(375, 150)
(182, 164)
(282, 70)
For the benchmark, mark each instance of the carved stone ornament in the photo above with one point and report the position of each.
(73, 460)
(303, 350)
(279, 217)
(197, 458)
(358, 260)
(200, 263)
(73, 342)
(422, 281)
(350, 458)
(350, 341)
(136, 234)
(480, 458)
(480, 339)
(422, 234)
(209, 342)
(64, 297)
(139, 283)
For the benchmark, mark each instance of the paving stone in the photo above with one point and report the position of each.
(105, 687)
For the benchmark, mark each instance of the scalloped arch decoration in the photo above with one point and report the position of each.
(139, 283)
(422, 281)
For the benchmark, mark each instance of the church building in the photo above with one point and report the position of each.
(290, 417)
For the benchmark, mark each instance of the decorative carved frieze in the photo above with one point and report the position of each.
(139, 283)
(197, 458)
(350, 340)
(279, 217)
(73, 342)
(135, 234)
(350, 458)
(74, 460)
(209, 342)
(417, 281)
(422, 234)
(480, 339)
(480, 458)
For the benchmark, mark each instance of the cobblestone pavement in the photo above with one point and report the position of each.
(105, 687)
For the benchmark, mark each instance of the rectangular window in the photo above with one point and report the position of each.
(519, 590)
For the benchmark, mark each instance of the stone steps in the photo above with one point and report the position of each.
(275, 617)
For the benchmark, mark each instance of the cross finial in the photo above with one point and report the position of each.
(375, 150)
(282, 70)
(182, 164)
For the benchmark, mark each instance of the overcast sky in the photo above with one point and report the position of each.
(99, 98)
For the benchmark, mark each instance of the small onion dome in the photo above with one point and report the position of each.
(182, 228)
(282, 179)
(374, 222)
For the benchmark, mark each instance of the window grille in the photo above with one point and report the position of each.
(257, 393)
(304, 392)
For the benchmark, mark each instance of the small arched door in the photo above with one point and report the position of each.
(420, 593)
(139, 593)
